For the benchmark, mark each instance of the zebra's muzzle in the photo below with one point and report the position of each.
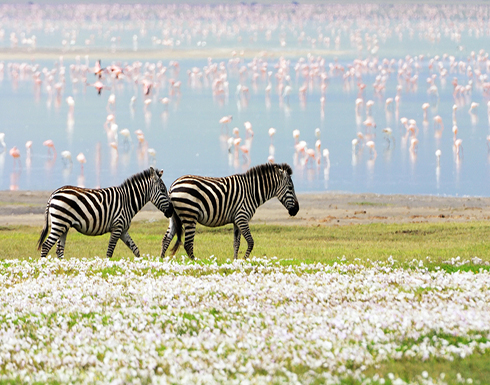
(294, 210)
(168, 213)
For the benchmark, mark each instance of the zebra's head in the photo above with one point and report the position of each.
(159, 195)
(285, 190)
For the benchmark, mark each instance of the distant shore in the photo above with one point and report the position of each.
(157, 54)
(316, 209)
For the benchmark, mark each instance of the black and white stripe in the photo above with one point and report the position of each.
(99, 211)
(218, 201)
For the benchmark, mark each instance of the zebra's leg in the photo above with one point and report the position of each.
(190, 231)
(236, 239)
(245, 230)
(115, 235)
(56, 232)
(168, 237)
(126, 238)
(60, 248)
(48, 244)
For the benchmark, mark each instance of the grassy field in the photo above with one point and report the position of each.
(427, 250)
(404, 242)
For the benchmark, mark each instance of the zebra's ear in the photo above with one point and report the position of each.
(287, 168)
(156, 173)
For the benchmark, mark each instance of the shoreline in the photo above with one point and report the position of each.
(316, 209)
(157, 54)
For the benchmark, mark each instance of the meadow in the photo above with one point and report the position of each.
(379, 304)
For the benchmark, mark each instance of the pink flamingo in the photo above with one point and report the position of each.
(272, 132)
(425, 107)
(438, 121)
(98, 70)
(82, 160)
(458, 146)
(50, 145)
(15, 153)
(224, 121)
(438, 157)
(248, 129)
(372, 149)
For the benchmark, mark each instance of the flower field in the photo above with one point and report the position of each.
(257, 321)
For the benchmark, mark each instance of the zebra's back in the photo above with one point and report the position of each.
(89, 211)
(210, 201)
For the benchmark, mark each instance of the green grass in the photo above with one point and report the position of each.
(405, 242)
(475, 367)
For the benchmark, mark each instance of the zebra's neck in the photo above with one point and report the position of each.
(137, 195)
(263, 186)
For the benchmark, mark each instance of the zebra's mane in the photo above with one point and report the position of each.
(267, 167)
(143, 175)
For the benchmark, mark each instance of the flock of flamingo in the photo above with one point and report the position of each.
(288, 80)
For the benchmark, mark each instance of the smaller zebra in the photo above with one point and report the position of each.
(233, 199)
(99, 211)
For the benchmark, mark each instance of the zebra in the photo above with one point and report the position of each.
(219, 201)
(99, 211)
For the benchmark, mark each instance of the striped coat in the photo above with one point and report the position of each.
(220, 201)
(99, 211)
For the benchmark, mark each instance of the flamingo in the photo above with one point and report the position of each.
(126, 135)
(114, 147)
(71, 103)
(414, 142)
(296, 135)
(99, 86)
(28, 148)
(248, 129)
(389, 135)
(152, 154)
(425, 107)
(438, 121)
(111, 101)
(326, 155)
(458, 146)
(98, 70)
(272, 132)
(287, 92)
(369, 106)
(372, 148)
(388, 104)
(165, 101)
(15, 153)
(438, 157)
(50, 145)
(82, 160)
(473, 106)
(66, 156)
(310, 154)
(355, 144)
(225, 120)
(455, 132)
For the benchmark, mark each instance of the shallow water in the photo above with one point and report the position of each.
(188, 138)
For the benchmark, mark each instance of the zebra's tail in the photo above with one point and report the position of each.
(178, 231)
(44, 233)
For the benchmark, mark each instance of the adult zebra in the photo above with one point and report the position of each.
(99, 211)
(218, 201)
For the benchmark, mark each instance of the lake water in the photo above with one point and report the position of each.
(396, 52)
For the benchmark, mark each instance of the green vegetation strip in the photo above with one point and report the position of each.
(292, 244)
